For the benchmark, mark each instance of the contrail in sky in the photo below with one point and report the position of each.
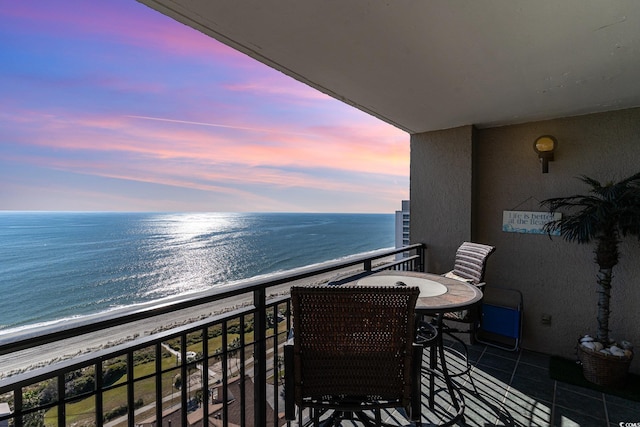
(159, 119)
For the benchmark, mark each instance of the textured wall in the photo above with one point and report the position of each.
(556, 278)
(441, 193)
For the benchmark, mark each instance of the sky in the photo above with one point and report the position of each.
(112, 106)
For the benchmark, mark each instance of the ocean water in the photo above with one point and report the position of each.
(57, 265)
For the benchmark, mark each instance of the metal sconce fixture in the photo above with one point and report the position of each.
(545, 146)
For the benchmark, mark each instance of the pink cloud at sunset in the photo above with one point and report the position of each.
(346, 149)
(273, 87)
(117, 107)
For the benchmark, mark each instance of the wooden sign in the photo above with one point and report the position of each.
(528, 222)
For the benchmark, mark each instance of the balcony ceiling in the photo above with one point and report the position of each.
(437, 64)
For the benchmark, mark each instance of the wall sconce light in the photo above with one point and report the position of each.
(545, 146)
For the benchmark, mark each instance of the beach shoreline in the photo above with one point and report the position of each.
(64, 350)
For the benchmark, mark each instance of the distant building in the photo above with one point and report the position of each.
(402, 229)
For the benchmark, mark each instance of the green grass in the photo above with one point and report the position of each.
(145, 389)
(570, 372)
(85, 409)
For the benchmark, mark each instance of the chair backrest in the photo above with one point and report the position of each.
(471, 259)
(353, 341)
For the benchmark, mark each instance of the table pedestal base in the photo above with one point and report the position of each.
(437, 354)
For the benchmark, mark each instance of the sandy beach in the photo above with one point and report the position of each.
(63, 350)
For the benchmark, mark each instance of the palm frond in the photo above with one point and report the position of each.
(581, 227)
(594, 184)
(577, 201)
(629, 217)
(632, 181)
(607, 209)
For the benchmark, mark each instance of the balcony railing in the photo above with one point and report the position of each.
(225, 369)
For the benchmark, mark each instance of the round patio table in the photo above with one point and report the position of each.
(438, 295)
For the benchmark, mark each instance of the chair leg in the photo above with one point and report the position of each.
(367, 420)
(464, 354)
(472, 332)
(289, 384)
(333, 420)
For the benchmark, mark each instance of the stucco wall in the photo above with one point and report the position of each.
(556, 278)
(442, 193)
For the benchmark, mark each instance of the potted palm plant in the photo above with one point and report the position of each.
(608, 213)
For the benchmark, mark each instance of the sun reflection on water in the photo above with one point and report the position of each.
(192, 253)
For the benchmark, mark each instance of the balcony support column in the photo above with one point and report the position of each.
(443, 193)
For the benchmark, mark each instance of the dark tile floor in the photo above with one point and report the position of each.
(507, 388)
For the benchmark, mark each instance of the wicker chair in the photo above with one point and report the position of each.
(469, 266)
(353, 351)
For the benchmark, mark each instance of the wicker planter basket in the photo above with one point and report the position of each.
(604, 370)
